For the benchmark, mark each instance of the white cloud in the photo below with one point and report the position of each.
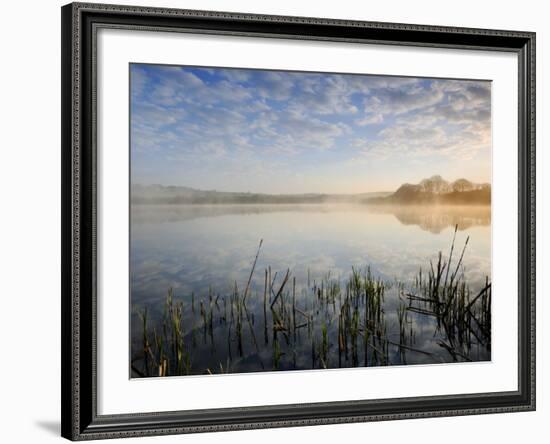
(400, 101)
(138, 79)
(213, 119)
(274, 85)
(370, 119)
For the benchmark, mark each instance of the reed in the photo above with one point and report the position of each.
(341, 322)
(463, 320)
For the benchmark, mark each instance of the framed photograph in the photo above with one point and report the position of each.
(280, 221)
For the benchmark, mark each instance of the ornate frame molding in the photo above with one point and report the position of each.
(80, 22)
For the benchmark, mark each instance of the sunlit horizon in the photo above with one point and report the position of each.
(229, 189)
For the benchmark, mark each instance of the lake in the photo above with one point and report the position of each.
(318, 317)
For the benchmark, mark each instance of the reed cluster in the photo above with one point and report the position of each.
(463, 318)
(323, 324)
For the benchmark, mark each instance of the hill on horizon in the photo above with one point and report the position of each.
(434, 190)
(160, 194)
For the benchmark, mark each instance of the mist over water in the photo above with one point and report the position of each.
(204, 249)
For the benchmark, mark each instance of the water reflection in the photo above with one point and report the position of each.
(154, 214)
(435, 219)
(205, 252)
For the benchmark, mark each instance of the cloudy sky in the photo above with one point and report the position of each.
(292, 132)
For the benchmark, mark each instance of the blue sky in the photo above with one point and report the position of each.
(292, 132)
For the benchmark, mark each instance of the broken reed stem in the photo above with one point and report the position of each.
(294, 304)
(281, 287)
(252, 271)
(266, 338)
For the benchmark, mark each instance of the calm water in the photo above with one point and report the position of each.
(204, 250)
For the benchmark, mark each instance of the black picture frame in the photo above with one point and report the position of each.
(80, 22)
